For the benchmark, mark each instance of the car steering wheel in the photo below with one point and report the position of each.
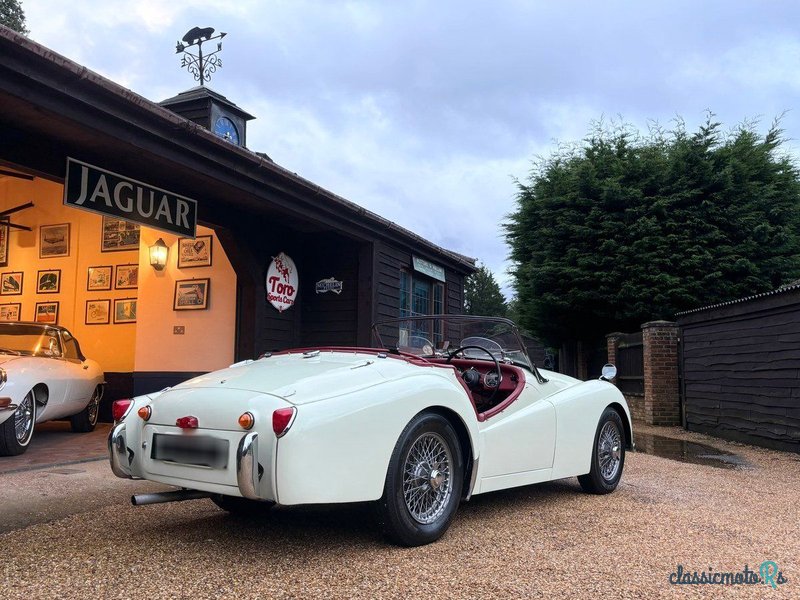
(496, 366)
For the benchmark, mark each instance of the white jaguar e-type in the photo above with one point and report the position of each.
(447, 407)
(43, 376)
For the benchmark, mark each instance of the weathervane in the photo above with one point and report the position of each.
(198, 65)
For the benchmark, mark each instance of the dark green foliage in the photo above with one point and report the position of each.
(12, 16)
(482, 295)
(629, 228)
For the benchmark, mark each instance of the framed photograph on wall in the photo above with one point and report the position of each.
(191, 294)
(99, 279)
(11, 283)
(10, 311)
(3, 245)
(119, 235)
(46, 312)
(125, 310)
(54, 240)
(195, 252)
(48, 281)
(127, 277)
(98, 312)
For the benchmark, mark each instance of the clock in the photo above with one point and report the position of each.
(226, 129)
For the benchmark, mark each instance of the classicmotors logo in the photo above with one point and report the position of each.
(767, 574)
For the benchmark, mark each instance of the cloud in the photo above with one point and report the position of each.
(425, 111)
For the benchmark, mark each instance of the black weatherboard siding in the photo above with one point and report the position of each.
(741, 369)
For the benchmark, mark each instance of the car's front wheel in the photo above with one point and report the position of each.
(86, 420)
(16, 431)
(423, 482)
(608, 455)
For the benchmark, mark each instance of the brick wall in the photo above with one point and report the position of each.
(661, 399)
(660, 403)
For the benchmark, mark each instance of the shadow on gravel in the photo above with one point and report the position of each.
(688, 452)
(317, 529)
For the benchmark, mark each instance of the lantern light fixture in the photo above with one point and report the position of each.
(158, 255)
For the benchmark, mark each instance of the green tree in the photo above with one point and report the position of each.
(482, 295)
(627, 227)
(12, 16)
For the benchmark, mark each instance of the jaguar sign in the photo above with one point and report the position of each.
(94, 189)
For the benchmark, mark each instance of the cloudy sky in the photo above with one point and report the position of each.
(425, 111)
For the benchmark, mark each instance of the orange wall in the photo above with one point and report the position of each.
(147, 345)
(208, 341)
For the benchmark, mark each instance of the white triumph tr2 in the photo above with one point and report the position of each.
(444, 408)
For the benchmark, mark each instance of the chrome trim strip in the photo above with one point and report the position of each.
(117, 454)
(473, 478)
(9, 407)
(247, 466)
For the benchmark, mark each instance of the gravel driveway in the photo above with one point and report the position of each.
(548, 540)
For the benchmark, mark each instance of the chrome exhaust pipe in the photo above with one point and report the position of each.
(176, 496)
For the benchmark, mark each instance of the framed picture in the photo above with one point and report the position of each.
(10, 312)
(11, 283)
(125, 310)
(99, 279)
(48, 282)
(3, 245)
(191, 294)
(195, 252)
(98, 312)
(54, 240)
(127, 277)
(119, 235)
(46, 312)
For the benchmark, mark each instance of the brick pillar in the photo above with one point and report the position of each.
(661, 399)
(612, 341)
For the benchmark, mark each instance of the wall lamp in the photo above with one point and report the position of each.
(158, 255)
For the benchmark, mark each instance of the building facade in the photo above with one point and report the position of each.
(112, 176)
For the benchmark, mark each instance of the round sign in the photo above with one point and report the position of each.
(282, 282)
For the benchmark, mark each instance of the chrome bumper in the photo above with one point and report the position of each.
(9, 407)
(118, 454)
(248, 471)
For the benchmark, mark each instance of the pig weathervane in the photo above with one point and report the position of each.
(199, 65)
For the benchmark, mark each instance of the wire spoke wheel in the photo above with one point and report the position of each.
(609, 450)
(427, 480)
(23, 419)
(93, 407)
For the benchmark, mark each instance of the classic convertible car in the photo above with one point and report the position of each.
(445, 408)
(43, 376)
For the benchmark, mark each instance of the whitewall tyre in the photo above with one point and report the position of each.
(16, 432)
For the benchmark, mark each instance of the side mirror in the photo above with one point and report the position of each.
(609, 372)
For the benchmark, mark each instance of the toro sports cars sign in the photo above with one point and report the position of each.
(94, 189)
(282, 282)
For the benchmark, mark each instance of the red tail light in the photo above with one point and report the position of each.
(120, 408)
(282, 420)
(187, 422)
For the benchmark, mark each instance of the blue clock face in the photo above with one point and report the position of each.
(225, 129)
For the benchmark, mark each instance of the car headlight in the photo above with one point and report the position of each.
(3, 378)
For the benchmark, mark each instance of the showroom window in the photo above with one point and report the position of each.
(420, 295)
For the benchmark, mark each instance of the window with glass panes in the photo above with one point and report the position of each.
(420, 296)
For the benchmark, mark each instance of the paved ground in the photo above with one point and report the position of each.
(547, 540)
(54, 443)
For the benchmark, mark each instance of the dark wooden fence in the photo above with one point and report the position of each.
(741, 369)
(630, 364)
